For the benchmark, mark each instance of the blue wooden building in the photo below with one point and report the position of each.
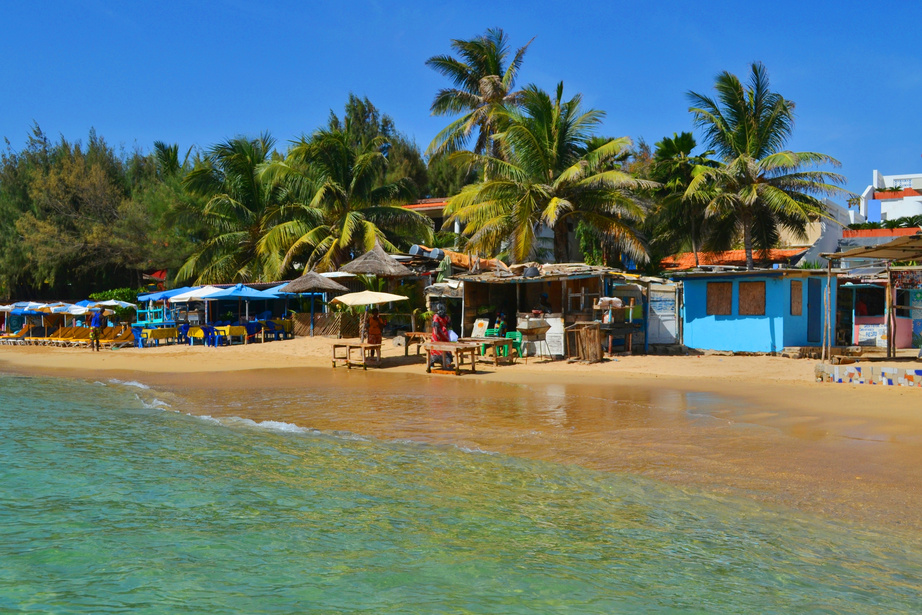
(755, 311)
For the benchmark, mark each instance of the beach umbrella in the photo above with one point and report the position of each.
(240, 291)
(201, 293)
(114, 303)
(160, 295)
(377, 262)
(312, 282)
(367, 297)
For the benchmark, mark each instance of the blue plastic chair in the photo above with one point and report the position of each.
(183, 334)
(252, 329)
(274, 331)
(138, 338)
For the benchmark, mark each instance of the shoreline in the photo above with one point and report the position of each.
(755, 427)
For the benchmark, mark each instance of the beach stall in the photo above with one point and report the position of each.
(560, 295)
(903, 289)
(755, 311)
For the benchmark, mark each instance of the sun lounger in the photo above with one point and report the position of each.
(61, 334)
(38, 336)
(80, 337)
(15, 339)
(125, 337)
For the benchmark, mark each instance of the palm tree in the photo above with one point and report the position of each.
(678, 220)
(239, 208)
(759, 186)
(337, 206)
(549, 176)
(483, 87)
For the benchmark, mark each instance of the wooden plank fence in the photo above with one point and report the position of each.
(330, 324)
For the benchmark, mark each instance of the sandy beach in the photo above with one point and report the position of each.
(752, 426)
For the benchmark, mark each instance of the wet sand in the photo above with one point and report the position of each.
(756, 427)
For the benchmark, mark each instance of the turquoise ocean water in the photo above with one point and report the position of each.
(112, 502)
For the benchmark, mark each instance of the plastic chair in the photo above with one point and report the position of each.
(138, 339)
(488, 333)
(274, 331)
(516, 336)
(252, 329)
(183, 334)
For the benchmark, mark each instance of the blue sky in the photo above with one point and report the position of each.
(200, 72)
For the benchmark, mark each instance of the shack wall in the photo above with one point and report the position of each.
(768, 332)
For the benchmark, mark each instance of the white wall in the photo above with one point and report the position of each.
(909, 206)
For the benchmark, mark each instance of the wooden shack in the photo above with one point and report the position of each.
(564, 293)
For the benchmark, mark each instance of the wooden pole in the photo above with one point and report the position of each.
(891, 346)
(827, 351)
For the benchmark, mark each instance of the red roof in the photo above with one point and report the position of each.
(881, 232)
(427, 204)
(731, 258)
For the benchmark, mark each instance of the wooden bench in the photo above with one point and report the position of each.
(495, 343)
(459, 349)
(365, 357)
(414, 337)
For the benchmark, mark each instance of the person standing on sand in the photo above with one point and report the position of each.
(440, 334)
(96, 330)
(376, 326)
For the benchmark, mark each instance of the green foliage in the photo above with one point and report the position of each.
(129, 295)
(678, 221)
(903, 222)
(237, 207)
(759, 187)
(363, 123)
(76, 216)
(549, 175)
(335, 206)
(483, 76)
(447, 179)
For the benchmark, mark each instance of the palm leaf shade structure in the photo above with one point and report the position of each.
(312, 282)
(377, 262)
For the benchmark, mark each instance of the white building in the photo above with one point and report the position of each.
(898, 195)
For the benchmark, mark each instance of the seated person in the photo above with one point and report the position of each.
(500, 325)
(544, 305)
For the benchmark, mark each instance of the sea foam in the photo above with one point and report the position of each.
(129, 383)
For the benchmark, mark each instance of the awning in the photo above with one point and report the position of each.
(900, 249)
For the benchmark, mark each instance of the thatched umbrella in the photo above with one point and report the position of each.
(377, 262)
(312, 282)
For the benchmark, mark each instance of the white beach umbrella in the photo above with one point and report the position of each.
(196, 294)
(367, 297)
(114, 303)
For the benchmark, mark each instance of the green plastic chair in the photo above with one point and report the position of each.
(488, 333)
(516, 336)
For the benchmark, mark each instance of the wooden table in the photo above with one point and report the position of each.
(459, 349)
(496, 343)
(414, 337)
(163, 333)
(232, 331)
(365, 357)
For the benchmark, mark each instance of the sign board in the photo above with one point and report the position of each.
(480, 327)
(872, 335)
